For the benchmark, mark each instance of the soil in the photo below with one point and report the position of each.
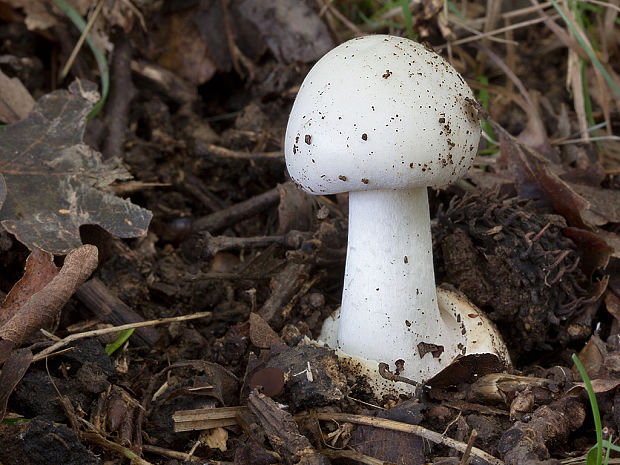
(201, 134)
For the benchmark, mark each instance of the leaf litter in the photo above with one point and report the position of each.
(53, 183)
(541, 244)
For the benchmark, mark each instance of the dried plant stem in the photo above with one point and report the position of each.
(98, 332)
(80, 42)
(407, 428)
(501, 30)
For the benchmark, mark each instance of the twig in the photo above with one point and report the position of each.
(222, 152)
(80, 42)
(342, 18)
(194, 186)
(110, 309)
(94, 437)
(173, 454)
(285, 285)
(499, 31)
(240, 211)
(352, 455)
(212, 245)
(98, 332)
(407, 428)
(470, 445)
(117, 112)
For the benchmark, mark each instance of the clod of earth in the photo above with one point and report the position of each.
(516, 264)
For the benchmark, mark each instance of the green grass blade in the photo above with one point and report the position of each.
(102, 64)
(408, 19)
(608, 452)
(483, 95)
(595, 412)
(453, 8)
(120, 340)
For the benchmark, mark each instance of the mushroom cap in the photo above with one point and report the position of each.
(380, 112)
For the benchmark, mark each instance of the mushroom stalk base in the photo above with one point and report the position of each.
(389, 306)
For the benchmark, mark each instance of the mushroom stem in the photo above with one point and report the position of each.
(389, 303)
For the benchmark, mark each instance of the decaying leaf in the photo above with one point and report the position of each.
(185, 51)
(53, 179)
(15, 100)
(295, 209)
(39, 271)
(43, 306)
(262, 335)
(38, 14)
(12, 372)
(291, 29)
(536, 177)
(215, 438)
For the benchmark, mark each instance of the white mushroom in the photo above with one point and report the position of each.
(382, 118)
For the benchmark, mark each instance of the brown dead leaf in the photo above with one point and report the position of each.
(15, 100)
(42, 307)
(292, 30)
(215, 438)
(594, 252)
(186, 53)
(600, 386)
(224, 383)
(54, 181)
(262, 335)
(12, 372)
(294, 210)
(612, 303)
(591, 357)
(604, 204)
(38, 13)
(536, 180)
(388, 445)
(39, 271)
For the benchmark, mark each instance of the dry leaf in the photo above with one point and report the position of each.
(215, 438)
(186, 53)
(53, 179)
(12, 372)
(294, 210)
(535, 179)
(39, 271)
(292, 30)
(15, 100)
(262, 335)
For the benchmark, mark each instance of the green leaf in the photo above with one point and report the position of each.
(598, 457)
(120, 340)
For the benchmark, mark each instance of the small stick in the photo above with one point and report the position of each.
(193, 185)
(215, 244)
(227, 217)
(98, 332)
(407, 428)
(222, 152)
(173, 454)
(352, 455)
(110, 309)
(81, 40)
(123, 91)
(470, 444)
(501, 30)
